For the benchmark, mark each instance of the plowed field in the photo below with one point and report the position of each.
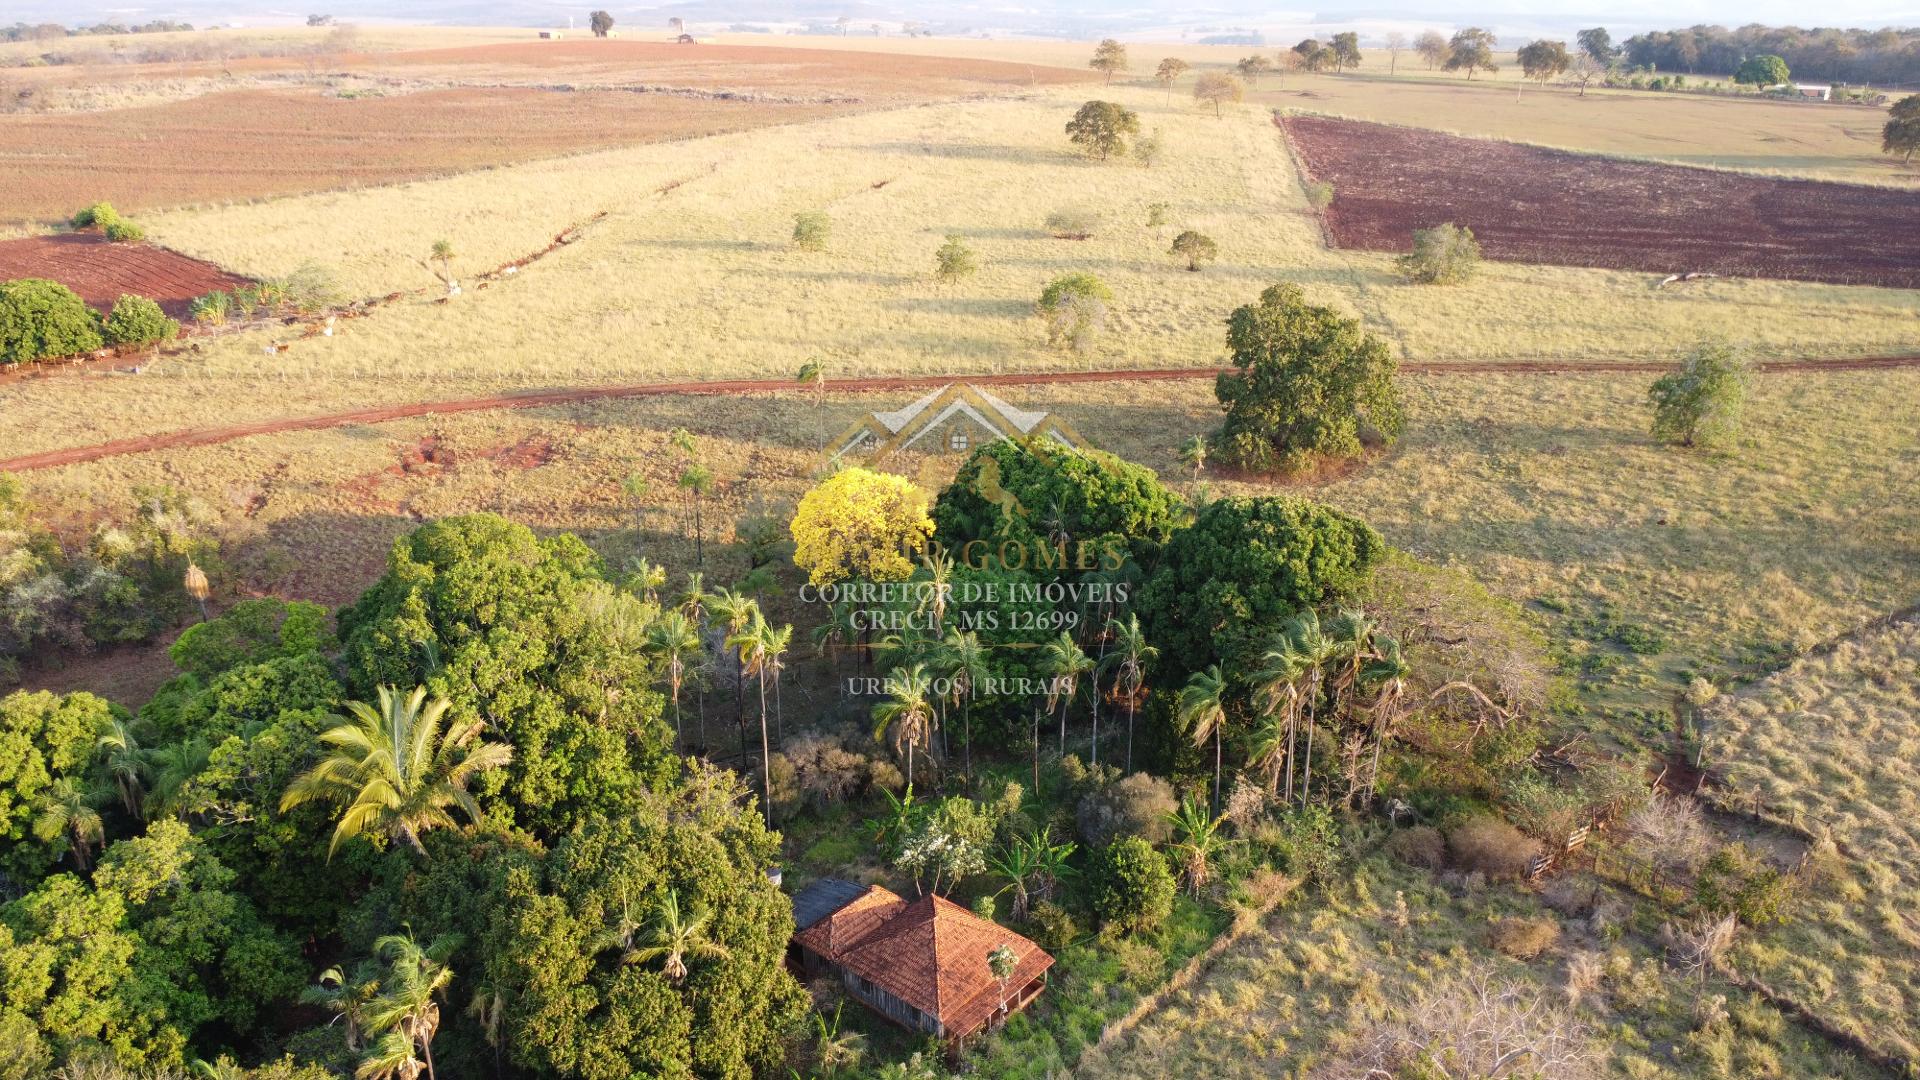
(1535, 205)
(100, 272)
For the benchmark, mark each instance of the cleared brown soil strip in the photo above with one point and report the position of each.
(534, 399)
(101, 272)
(1535, 205)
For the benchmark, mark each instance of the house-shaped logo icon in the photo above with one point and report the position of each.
(954, 419)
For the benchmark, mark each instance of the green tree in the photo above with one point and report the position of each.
(1597, 44)
(138, 321)
(1307, 377)
(1252, 67)
(66, 817)
(1471, 49)
(48, 740)
(1109, 57)
(1226, 584)
(906, 716)
(394, 770)
(1074, 307)
(811, 230)
(954, 259)
(1346, 50)
(1445, 254)
(1132, 888)
(676, 639)
(601, 23)
(674, 936)
(1763, 70)
(41, 319)
(1202, 712)
(1101, 128)
(1901, 134)
(1194, 247)
(569, 1014)
(1699, 403)
(1432, 48)
(403, 1019)
(1543, 60)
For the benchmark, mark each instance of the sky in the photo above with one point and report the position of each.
(1136, 19)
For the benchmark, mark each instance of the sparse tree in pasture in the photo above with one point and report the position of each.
(1195, 247)
(1763, 70)
(1396, 44)
(1108, 57)
(843, 22)
(1313, 55)
(1252, 67)
(1583, 71)
(1346, 50)
(1471, 50)
(677, 24)
(1597, 45)
(954, 259)
(1075, 309)
(1217, 87)
(1147, 148)
(1543, 61)
(1445, 254)
(1168, 72)
(813, 373)
(1157, 214)
(1432, 47)
(1699, 403)
(811, 229)
(439, 263)
(1101, 128)
(1901, 135)
(601, 23)
(1073, 222)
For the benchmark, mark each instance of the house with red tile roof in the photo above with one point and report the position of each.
(920, 963)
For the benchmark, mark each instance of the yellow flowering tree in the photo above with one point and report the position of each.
(861, 524)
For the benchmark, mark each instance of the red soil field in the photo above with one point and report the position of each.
(444, 111)
(1535, 205)
(101, 272)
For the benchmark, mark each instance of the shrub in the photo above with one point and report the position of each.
(1148, 148)
(1157, 214)
(41, 319)
(1320, 194)
(1052, 925)
(1764, 69)
(136, 320)
(1489, 845)
(125, 232)
(1195, 247)
(954, 259)
(1739, 880)
(1669, 833)
(1443, 255)
(246, 300)
(313, 287)
(1075, 309)
(1306, 380)
(1420, 845)
(811, 228)
(1524, 938)
(1100, 128)
(1308, 845)
(1700, 401)
(211, 309)
(1136, 806)
(1074, 222)
(101, 213)
(1132, 887)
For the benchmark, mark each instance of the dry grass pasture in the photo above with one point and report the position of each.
(1832, 742)
(691, 274)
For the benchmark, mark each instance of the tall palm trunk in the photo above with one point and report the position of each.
(966, 734)
(1216, 769)
(1130, 708)
(1036, 749)
(766, 753)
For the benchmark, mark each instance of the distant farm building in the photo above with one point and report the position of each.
(685, 39)
(1813, 91)
(953, 419)
(920, 963)
(550, 35)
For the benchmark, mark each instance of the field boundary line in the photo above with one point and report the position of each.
(191, 437)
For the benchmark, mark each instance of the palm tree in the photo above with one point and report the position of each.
(1049, 859)
(906, 712)
(755, 643)
(1316, 649)
(406, 1014)
(346, 998)
(1202, 710)
(125, 763)
(673, 936)
(1196, 840)
(1129, 659)
(394, 771)
(693, 603)
(1017, 863)
(171, 766)
(733, 611)
(1064, 663)
(1388, 671)
(962, 661)
(68, 812)
(1276, 693)
(836, 631)
(698, 479)
(836, 1049)
(814, 373)
(1193, 452)
(673, 638)
(488, 1010)
(777, 643)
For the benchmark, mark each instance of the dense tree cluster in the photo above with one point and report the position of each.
(1854, 56)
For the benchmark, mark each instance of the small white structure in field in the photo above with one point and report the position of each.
(1813, 91)
(550, 35)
